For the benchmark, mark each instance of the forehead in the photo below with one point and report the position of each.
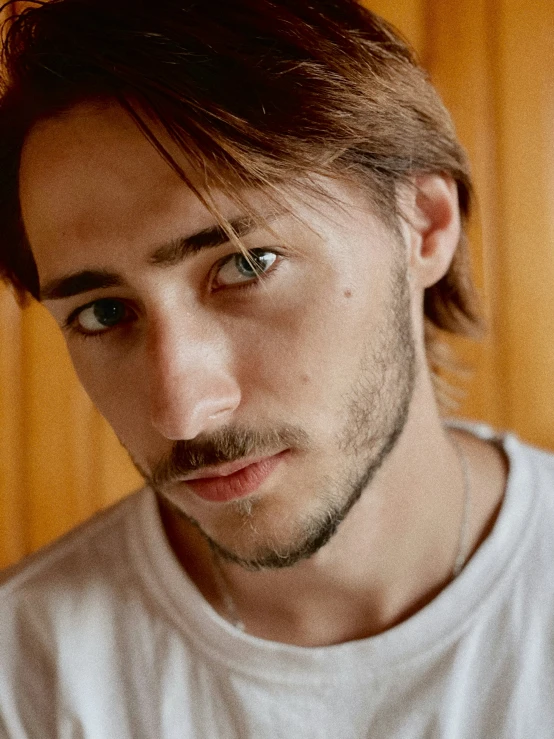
(88, 137)
(95, 192)
(91, 176)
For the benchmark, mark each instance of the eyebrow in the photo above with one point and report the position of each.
(166, 255)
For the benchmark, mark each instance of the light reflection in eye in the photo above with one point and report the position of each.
(102, 315)
(239, 268)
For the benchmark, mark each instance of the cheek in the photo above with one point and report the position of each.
(114, 385)
(309, 354)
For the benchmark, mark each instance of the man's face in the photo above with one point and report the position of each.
(300, 362)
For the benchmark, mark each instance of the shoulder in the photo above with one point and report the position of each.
(527, 465)
(51, 597)
(527, 521)
(531, 468)
(54, 609)
(516, 502)
(73, 556)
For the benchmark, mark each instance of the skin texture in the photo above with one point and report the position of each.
(322, 357)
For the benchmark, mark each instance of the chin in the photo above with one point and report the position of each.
(259, 535)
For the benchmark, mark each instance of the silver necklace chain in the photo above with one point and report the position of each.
(230, 607)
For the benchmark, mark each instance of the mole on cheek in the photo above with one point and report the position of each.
(348, 293)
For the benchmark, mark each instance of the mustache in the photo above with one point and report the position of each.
(225, 445)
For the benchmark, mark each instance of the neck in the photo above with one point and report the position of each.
(395, 551)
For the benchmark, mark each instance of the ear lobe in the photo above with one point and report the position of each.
(433, 223)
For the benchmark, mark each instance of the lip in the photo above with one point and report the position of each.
(223, 470)
(234, 480)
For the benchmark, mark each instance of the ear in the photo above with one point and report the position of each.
(432, 227)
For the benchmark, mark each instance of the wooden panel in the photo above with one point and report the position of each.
(13, 520)
(525, 59)
(408, 16)
(13, 498)
(59, 461)
(459, 57)
(67, 446)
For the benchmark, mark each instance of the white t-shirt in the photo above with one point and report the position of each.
(102, 636)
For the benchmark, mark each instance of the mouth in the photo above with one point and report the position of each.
(233, 480)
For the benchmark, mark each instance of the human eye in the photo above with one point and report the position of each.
(99, 317)
(243, 268)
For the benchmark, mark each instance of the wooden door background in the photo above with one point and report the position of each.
(493, 63)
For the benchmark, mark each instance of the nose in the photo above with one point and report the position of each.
(192, 386)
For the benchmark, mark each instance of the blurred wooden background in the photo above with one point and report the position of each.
(493, 63)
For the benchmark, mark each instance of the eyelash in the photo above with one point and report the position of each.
(71, 325)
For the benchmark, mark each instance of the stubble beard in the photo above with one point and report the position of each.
(376, 411)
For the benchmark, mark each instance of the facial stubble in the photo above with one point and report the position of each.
(375, 413)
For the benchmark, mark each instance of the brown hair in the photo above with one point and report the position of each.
(260, 92)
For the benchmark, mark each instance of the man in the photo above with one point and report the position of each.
(248, 220)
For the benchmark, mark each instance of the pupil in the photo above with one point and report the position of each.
(255, 265)
(248, 267)
(108, 312)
